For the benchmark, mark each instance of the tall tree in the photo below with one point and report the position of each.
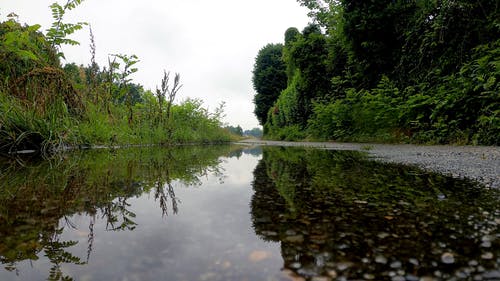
(269, 79)
(309, 54)
(323, 12)
(373, 34)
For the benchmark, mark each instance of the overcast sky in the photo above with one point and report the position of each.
(212, 44)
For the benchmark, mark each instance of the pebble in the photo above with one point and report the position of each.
(414, 261)
(343, 265)
(306, 271)
(486, 244)
(226, 265)
(410, 277)
(257, 256)
(447, 258)
(383, 235)
(332, 273)
(494, 274)
(381, 259)
(368, 276)
(396, 264)
(269, 233)
(473, 263)
(461, 274)
(295, 238)
(478, 277)
(321, 278)
(290, 275)
(487, 256)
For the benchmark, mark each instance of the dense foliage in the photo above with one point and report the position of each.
(45, 104)
(255, 132)
(413, 71)
(238, 131)
(269, 79)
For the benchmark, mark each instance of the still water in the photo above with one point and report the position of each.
(233, 213)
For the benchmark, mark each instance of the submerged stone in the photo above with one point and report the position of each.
(447, 258)
(492, 275)
(396, 264)
(487, 256)
(295, 238)
(381, 259)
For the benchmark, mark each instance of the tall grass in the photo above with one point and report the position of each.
(23, 128)
(45, 107)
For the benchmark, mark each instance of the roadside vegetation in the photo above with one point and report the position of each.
(385, 71)
(46, 105)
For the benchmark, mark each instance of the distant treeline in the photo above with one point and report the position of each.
(45, 105)
(421, 71)
(238, 131)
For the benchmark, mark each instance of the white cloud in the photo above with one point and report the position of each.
(212, 44)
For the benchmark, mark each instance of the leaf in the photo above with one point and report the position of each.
(34, 28)
(27, 55)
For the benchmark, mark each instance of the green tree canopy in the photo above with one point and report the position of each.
(269, 79)
(392, 70)
(309, 55)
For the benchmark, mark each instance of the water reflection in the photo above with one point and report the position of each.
(302, 215)
(37, 199)
(338, 216)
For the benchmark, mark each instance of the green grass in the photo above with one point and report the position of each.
(23, 127)
(44, 106)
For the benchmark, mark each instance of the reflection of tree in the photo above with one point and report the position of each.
(90, 237)
(336, 213)
(55, 252)
(254, 151)
(36, 202)
(236, 153)
(163, 198)
(241, 150)
(117, 216)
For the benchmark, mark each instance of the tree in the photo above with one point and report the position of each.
(255, 132)
(269, 79)
(309, 55)
(23, 48)
(235, 130)
(374, 32)
(321, 10)
(76, 74)
(291, 35)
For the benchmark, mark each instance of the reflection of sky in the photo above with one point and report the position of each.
(210, 236)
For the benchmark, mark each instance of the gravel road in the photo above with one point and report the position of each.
(478, 163)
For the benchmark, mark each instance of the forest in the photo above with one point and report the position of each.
(421, 71)
(48, 104)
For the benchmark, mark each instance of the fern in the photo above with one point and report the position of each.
(58, 34)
